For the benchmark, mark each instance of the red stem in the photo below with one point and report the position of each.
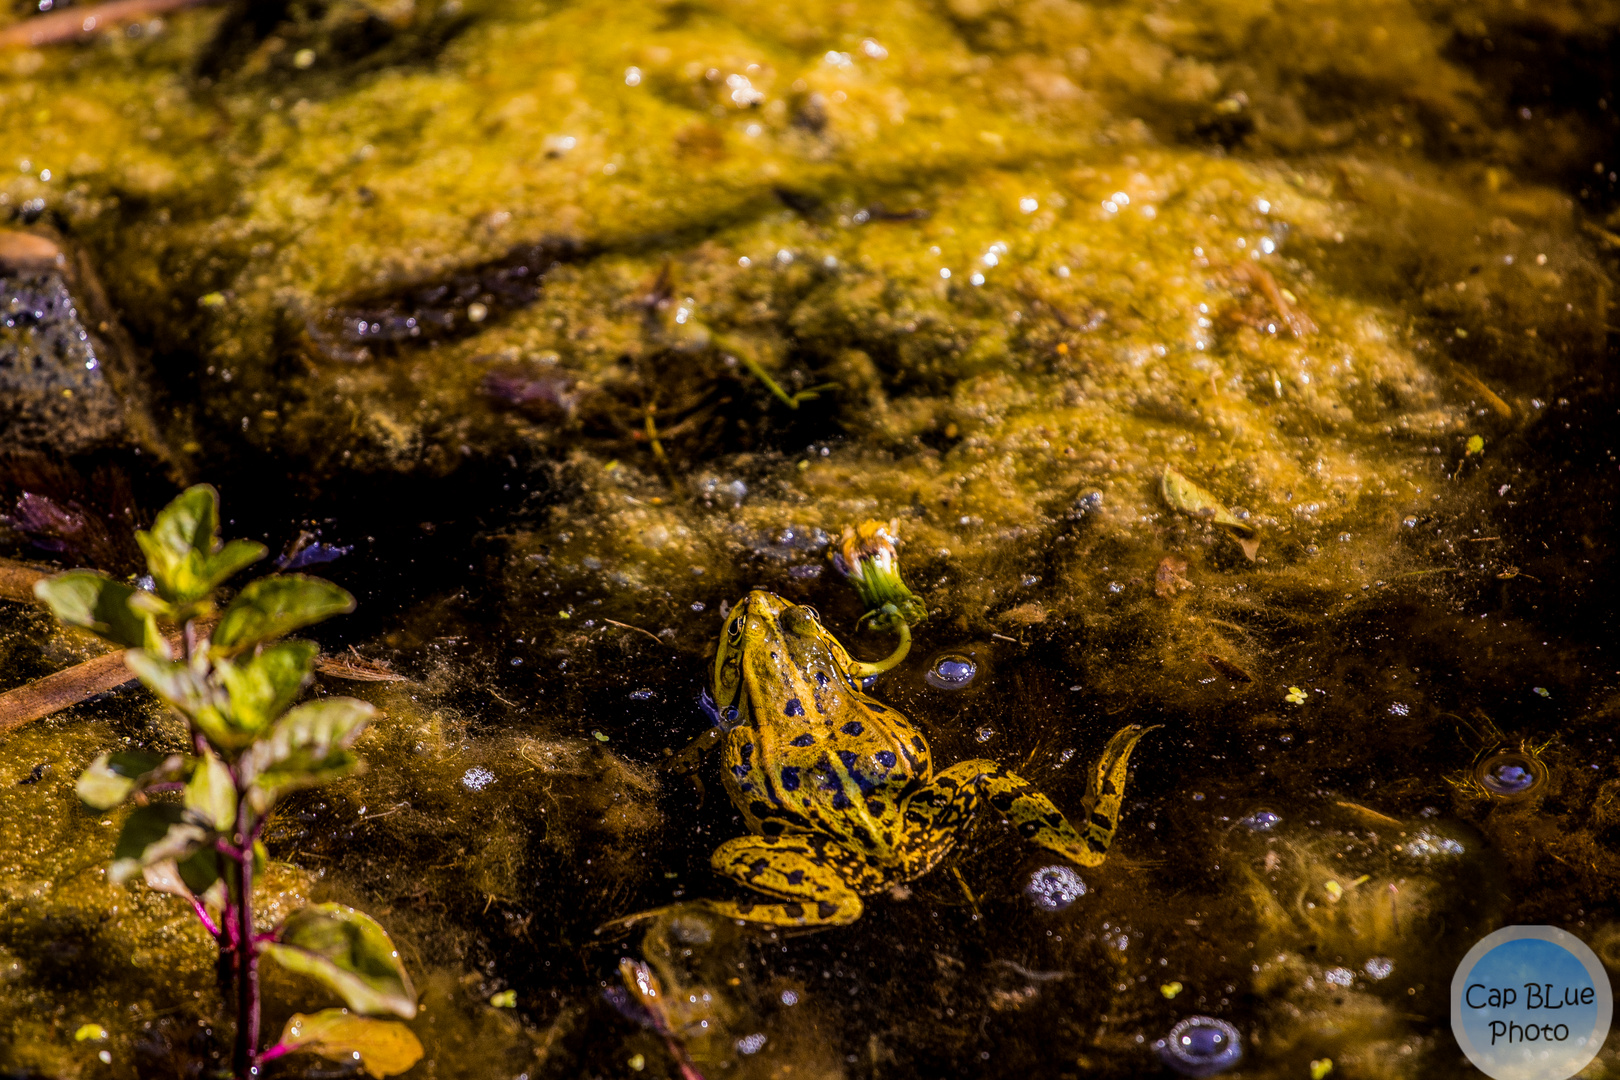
(207, 921)
(245, 1058)
(275, 1052)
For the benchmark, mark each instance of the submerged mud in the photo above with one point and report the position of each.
(469, 307)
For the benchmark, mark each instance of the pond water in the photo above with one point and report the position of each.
(549, 330)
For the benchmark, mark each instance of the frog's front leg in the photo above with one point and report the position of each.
(815, 875)
(939, 813)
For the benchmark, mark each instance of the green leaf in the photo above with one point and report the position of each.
(95, 602)
(260, 687)
(114, 777)
(310, 745)
(189, 693)
(1184, 495)
(189, 878)
(202, 870)
(211, 795)
(383, 1047)
(349, 952)
(271, 606)
(151, 834)
(183, 550)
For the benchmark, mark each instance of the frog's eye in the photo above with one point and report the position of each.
(815, 616)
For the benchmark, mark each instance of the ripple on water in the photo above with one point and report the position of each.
(1511, 775)
(951, 671)
(1201, 1046)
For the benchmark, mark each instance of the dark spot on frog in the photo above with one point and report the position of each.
(795, 878)
(1002, 801)
(1054, 819)
(875, 807)
(771, 828)
(875, 707)
(795, 911)
(847, 757)
(854, 727)
(36, 774)
(739, 771)
(1029, 828)
(756, 868)
(917, 742)
(860, 834)
(840, 801)
(761, 809)
(885, 758)
(790, 778)
(746, 752)
(793, 708)
(825, 909)
(821, 678)
(803, 740)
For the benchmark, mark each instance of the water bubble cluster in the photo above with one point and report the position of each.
(1261, 821)
(1053, 888)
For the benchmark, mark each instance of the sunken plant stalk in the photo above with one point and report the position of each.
(235, 685)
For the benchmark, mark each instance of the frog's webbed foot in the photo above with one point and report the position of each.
(815, 876)
(617, 927)
(1105, 787)
(690, 759)
(945, 807)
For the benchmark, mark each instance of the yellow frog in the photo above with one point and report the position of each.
(839, 789)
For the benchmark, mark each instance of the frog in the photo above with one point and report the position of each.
(838, 790)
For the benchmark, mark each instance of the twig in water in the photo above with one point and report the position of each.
(82, 22)
(637, 629)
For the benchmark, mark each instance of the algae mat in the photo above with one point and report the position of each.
(481, 299)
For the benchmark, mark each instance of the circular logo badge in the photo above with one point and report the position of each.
(1531, 1003)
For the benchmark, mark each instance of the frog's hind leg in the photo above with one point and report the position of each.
(815, 876)
(939, 813)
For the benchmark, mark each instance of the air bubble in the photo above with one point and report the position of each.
(1201, 1046)
(1511, 775)
(1053, 888)
(952, 671)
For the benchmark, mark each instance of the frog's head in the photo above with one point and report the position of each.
(767, 632)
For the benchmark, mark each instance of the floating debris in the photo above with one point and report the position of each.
(1168, 579)
(1187, 497)
(868, 556)
(1227, 668)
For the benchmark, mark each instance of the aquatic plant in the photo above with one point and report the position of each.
(235, 683)
(868, 556)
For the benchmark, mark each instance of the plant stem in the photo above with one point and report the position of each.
(202, 914)
(245, 1058)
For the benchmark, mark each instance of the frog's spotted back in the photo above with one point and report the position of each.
(839, 788)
